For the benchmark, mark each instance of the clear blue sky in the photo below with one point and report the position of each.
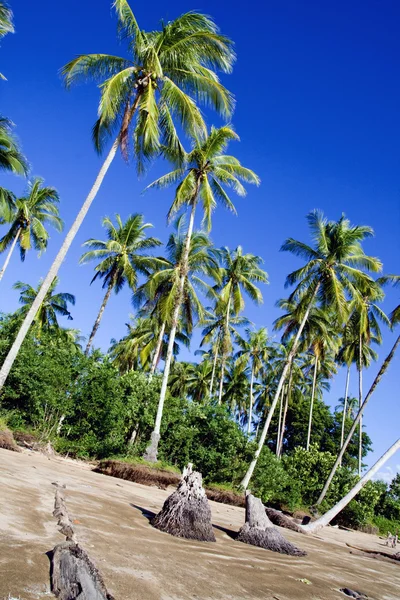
(318, 98)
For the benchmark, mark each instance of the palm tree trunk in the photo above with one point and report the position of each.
(278, 436)
(287, 400)
(328, 516)
(377, 379)
(223, 358)
(251, 401)
(152, 448)
(246, 479)
(312, 404)
(11, 250)
(10, 358)
(99, 316)
(346, 393)
(213, 369)
(360, 398)
(157, 351)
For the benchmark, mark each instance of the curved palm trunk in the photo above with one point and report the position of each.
(223, 358)
(312, 404)
(346, 393)
(213, 370)
(69, 238)
(377, 379)
(287, 400)
(246, 479)
(157, 351)
(9, 254)
(331, 514)
(251, 401)
(278, 436)
(360, 397)
(152, 448)
(99, 316)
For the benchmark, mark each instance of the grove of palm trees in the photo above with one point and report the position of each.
(193, 373)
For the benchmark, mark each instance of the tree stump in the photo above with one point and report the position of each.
(186, 512)
(259, 531)
(278, 518)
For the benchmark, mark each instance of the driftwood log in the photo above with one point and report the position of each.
(73, 575)
(259, 531)
(278, 518)
(186, 512)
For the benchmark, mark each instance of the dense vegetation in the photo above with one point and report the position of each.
(245, 399)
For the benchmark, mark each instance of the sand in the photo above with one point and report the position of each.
(140, 562)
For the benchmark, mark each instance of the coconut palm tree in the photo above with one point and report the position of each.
(334, 271)
(27, 217)
(167, 72)
(53, 306)
(11, 157)
(202, 179)
(198, 381)
(240, 274)
(120, 258)
(6, 19)
(256, 351)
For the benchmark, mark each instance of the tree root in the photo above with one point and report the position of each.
(278, 518)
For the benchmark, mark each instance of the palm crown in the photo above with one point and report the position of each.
(167, 72)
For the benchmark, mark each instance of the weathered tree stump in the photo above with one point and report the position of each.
(73, 575)
(259, 531)
(278, 518)
(186, 512)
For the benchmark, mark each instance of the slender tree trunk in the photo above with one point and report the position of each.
(290, 357)
(213, 369)
(287, 399)
(56, 265)
(346, 393)
(377, 379)
(152, 449)
(251, 401)
(360, 399)
(223, 357)
(157, 351)
(331, 514)
(99, 316)
(312, 404)
(9, 254)
(278, 436)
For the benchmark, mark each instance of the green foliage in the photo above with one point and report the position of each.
(385, 525)
(360, 510)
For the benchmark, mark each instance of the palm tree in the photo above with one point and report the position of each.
(198, 381)
(120, 258)
(236, 386)
(202, 179)
(11, 157)
(256, 350)
(331, 275)
(53, 306)
(27, 217)
(240, 273)
(6, 22)
(394, 320)
(168, 68)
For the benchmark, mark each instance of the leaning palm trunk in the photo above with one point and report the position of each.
(251, 401)
(331, 514)
(157, 351)
(290, 357)
(152, 448)
(312, 404)
(221, 380)
(278, 435)
(213, 370)
(224, 352)
(99, 316)
(377, 379)
(10, 358)
(9, 254)
(287, 400)
(360, 396)
(346, 393)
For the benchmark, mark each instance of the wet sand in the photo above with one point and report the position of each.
(140, 563)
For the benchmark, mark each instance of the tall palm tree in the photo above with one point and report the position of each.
(198, 381)
(256, 350)
(240, 274)
(27, 217)
(6, 19)
(202, 179)
(236, 386)
(332, 274)
(53, 306)
(11, 157)
(168, 71)
(120, 258)
(395, 320)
